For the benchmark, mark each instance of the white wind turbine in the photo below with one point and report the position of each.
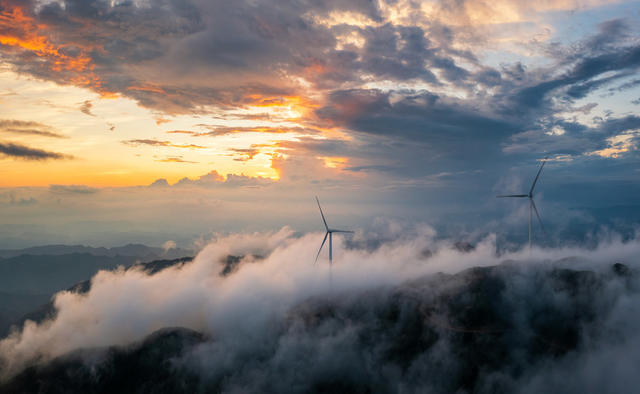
(532, 204)
(329, 234)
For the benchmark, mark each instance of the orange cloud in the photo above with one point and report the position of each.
(315, 69)
(181, 132)
(284, 107)
(212, 176)
(161, 143)
(244, 154)
(257, 100)
(175, 160)
(148, 88)
(21, 32)
(334, 161)
(222, 130)
(161, 120)
(617, 145)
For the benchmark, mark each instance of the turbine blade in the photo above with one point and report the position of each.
(343, 231)
(533, 204)
(537, 176)
(513, 195)
(320, 250)
(322, 214)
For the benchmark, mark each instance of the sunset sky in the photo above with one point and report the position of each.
(156, 120)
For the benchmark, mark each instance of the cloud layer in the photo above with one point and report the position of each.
(276, 313)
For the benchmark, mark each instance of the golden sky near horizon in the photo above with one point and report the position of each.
(97, 139)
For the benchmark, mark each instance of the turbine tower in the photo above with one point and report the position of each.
(532, 204)
(329, 234)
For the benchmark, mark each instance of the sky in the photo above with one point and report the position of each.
(149, 121)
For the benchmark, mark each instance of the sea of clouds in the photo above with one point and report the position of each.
(259, 336)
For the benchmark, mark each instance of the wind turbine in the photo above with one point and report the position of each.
(532, 204)
(329, 234)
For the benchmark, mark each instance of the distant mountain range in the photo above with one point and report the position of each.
(45, 309)
(30, 277)
(138, 250)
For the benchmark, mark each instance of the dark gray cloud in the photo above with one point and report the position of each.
(138, 40)
(579, 80)
(609, 52)
(576, 140)
(146, 142)
(250, 47)
(20, 201)
(25, 127)
(418, 115)
(27, 153)
(73, 189)
(85, 108)
(475, 132)
(414, 131)
(244, 154)
(627, 85)
(159, 183)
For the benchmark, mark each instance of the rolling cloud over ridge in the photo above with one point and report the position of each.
(277, 323)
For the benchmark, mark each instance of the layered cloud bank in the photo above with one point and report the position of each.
(393, 89)
(402, 314)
